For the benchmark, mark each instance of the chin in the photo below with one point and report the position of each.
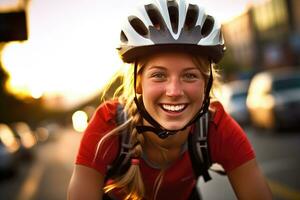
(173, 126)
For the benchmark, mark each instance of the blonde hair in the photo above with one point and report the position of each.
(131, 182)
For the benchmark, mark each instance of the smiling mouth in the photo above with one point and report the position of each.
(173, 108)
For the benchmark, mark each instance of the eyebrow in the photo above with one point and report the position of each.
(191, 68)
(162, 67)
(156, 66)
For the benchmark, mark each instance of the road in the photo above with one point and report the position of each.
(279, 158)
(47, 176)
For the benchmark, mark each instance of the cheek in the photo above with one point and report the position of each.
(149, 88)
(196, 91)
(152, 90)
(150, 96)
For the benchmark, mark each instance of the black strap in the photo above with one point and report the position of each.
(121, 163)
(195, 194)
(106, 197)
(159, 132)
(198, 148)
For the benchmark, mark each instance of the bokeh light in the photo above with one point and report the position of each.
(79, 120)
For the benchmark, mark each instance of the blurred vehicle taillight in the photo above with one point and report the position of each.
(8, 139)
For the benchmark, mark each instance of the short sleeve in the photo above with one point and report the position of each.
(91, 152)
(229, 145)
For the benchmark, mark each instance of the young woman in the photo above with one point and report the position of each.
(172, 47)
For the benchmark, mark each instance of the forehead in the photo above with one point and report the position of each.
(170, 59)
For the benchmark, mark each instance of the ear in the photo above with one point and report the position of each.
(139, 85)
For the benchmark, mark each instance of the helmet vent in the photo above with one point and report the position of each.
(191, 17)
(138, 25)
(155, 16)
(173, 13)
(207, 26)
(123, 37)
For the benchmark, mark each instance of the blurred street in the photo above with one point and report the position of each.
(47, 175)
(55, 57)
(279, 159)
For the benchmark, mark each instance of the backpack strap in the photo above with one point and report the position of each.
(198, 148)
(121, 163)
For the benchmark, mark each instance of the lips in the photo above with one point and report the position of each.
(173, 107)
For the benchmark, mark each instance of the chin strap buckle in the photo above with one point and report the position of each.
(163, 134)
(159, 132)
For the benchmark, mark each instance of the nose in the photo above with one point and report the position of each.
(174, 88)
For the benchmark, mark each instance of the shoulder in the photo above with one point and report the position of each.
(107, 110)
(222, 122)
(218, 113)
(227, 138)
(100, 125)
(105, 115)
(221, 119)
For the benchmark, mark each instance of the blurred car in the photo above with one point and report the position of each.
(7, 161)
(26, 138)
(9, 147)
(233, 98)
(48, 131)
(274, 98)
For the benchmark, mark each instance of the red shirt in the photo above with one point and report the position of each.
(228, 146)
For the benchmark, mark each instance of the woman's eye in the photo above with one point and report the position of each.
(190, 76)
(158, 75)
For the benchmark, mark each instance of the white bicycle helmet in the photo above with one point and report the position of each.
(175, 24)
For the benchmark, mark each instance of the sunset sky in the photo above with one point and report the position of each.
(71, 46)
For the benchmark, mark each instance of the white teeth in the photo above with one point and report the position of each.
(173, 107)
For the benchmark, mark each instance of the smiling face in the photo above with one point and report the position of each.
(172, 88)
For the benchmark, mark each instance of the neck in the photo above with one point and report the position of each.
(163, 152)
(172, 141)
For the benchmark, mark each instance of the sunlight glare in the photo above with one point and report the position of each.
(71, 47)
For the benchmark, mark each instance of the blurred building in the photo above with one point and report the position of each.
(13, 20)
(240, 40)
(266, 36)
